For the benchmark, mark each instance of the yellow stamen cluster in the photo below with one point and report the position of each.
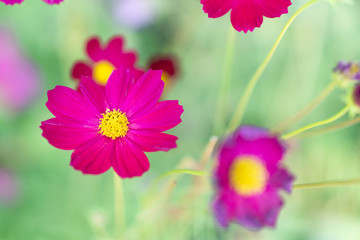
(248, 176)
(102, 71)
(113, 124)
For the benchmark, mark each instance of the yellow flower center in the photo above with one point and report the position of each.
(165, 77)
(102, 71)
(247, 176)
(113, 124)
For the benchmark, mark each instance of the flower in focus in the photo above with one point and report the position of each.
(169, 67)
(135, 14)
(245, 14)
(112, 127)
(8, 187)
(19, 80)
(103, 60)
(347, 73)
(248, 179)
(12, 2)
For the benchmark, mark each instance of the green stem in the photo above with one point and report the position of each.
(119, 220)
(302, 113)
(219, 122)
(241, 107)
(326, 184)
(332, 128)
(323, 122)
(182, 171)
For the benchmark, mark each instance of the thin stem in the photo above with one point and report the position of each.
(182, 171)
(323, 122)
(326, 184)
(302, 113)
(219, 122)
(119, 220)
(332, 128)
(241, 107)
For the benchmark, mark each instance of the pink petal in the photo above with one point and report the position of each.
(94, 93)
(51, 2)
(81, 69)
(274, 8)
(94, 50)
(115, 46)
(11, 2)
(93, 157)
(224, 207)
(282, 179)
(165, 115)
(129, 160)
(152, 141)
(117, 88)
(246, 15)
(143, 96)
(216, 8)
(70, 104)
(260, 211)
(66, 134)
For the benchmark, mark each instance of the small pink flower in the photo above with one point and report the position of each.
(169, 66)
(112, 127)
(249, 177)
(103, 60)
(12, 2)
(246, 14)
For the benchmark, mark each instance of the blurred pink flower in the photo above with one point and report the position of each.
(104, 59)
(249, 177)
(135, 14)
(8, 187)
(12, 2)
(19, 80)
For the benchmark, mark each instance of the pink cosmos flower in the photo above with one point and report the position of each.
(19, 80)
(12, 2)
(103, 60)
(246, 14)
(112, 127)
(169, 66)
(248, 177)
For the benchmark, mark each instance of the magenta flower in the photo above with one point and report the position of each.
(249, 177)
(112, 127)
(246, 14)
(169, 66)
(356, 95)
(103, 60)
(19, 79)
(12, 2)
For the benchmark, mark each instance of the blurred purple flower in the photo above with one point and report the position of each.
(8, 187)
(348, 71)
(134, 14)
(19, 80)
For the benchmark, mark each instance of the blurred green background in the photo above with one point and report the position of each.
(56, 202)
